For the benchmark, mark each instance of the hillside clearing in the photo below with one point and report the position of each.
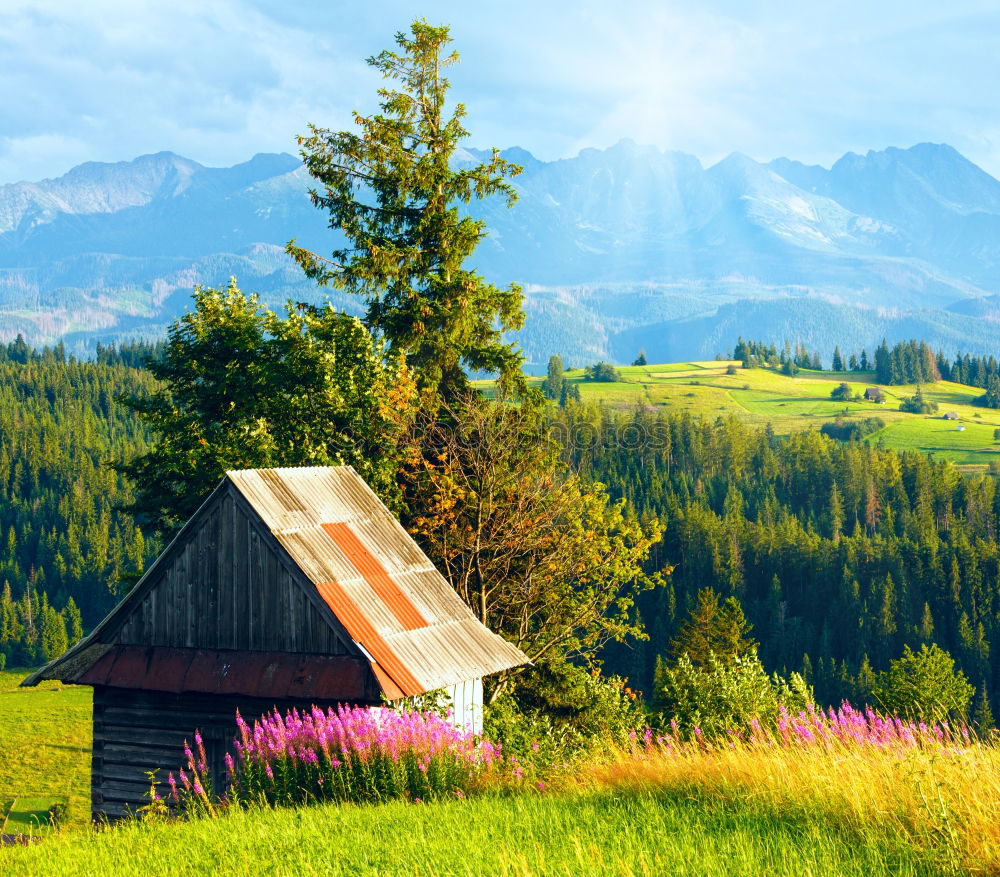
(794, 403)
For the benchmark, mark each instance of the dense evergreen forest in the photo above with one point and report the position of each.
(67, 550)
(840, 553)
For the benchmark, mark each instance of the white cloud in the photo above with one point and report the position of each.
(218, 81)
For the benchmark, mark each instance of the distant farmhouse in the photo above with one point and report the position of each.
(287, 588)
(951, 415)
(875, 394)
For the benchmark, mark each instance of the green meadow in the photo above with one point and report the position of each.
(597, 829)
(45, 737)
(600, 832)
(790, 404)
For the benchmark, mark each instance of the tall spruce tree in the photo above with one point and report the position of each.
(394, 192)
(712, 629)
(982, 716)
(883, 364)
(553, 384)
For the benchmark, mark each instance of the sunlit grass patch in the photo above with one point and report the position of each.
(613, 831)
(615, 392)
(45, 741)
(783, 405)
(974, 443)
(946, 804)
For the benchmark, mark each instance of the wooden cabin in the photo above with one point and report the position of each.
(288, 587)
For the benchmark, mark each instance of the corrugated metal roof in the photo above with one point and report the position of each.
(385, 591)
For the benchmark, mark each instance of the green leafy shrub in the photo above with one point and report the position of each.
(918, 404)
(561, 710)
(924, 685)
(724, 695)
(602, 371)
(58, 813)
(842, 393)
(852, 431)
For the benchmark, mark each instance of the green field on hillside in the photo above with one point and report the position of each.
(595, 833)
(790, 404)
(45, 738)
(669, 817)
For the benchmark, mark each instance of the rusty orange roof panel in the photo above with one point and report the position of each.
(359, 627)
(374, 577)
(374, 573)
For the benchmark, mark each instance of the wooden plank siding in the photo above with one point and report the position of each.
(226, 587)
(138, 731)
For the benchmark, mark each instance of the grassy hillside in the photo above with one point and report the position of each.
(686, 809)
(591, 833)
(802, 402)
(45, 743)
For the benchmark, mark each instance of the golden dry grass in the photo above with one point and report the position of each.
(944, 800)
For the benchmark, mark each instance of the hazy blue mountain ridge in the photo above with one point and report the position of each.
(617, 248)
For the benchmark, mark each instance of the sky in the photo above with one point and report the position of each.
(220, 80)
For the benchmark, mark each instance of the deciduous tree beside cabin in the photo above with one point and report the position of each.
(242, 387)
(542, 558)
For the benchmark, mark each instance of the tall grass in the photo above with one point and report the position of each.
(853, 771)
(594, 833)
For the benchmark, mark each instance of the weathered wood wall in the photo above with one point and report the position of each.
(138, 731)
(225, 586)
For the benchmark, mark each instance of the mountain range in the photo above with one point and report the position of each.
(618, 249)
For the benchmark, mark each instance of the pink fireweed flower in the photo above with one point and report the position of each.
(355, 740)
